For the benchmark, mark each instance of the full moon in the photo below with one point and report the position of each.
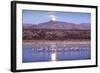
(53, 18)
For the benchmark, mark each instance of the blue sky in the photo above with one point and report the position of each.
(36, 17)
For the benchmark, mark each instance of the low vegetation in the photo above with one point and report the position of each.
(56, 34)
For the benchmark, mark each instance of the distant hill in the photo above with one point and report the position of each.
(57, 25)
(84, 26)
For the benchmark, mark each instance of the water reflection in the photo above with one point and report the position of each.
(42, 53)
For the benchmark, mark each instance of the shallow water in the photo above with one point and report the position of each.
(42, 53)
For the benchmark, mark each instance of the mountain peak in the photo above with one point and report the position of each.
(60, 25)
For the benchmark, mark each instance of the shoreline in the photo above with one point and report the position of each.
(56, 42)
